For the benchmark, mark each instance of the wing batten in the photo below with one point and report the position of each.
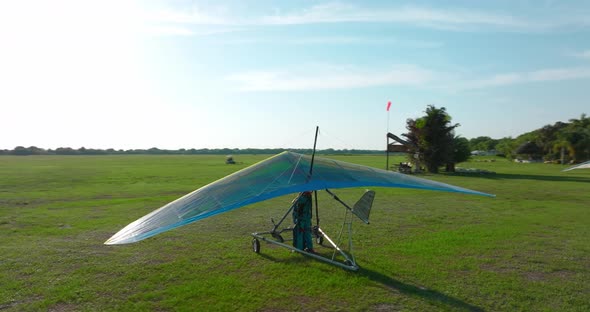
(265, 180)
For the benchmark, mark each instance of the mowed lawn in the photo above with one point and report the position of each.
(526, 250)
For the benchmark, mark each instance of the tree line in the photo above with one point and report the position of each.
(562, 141)
(432, 142)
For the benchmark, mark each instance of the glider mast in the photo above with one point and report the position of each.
(315, 141)
(315, 193)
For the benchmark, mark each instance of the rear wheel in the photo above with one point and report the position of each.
(256, 245)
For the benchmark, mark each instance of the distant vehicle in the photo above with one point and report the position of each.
(230, 160)
(405, 168)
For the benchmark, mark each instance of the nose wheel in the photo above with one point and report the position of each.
(319, 238)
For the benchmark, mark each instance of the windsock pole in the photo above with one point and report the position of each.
(387, 138)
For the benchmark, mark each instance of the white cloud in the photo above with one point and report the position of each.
(558, 74)
(583, 55)
(181, 30)
(452, 19)
(168, 30)
(191, 15)
(192, 20)
(351, 40)
(339, 40)
(323, 77)
(336, 12)
(320, 77)
(542, 75)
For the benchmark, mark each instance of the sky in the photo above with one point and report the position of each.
(264, 74)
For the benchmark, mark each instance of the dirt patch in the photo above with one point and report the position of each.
(63, 307)
(8, 305)
(23, 203)
(15, 303)
(545, 276)
(385, 307)
(497, 269)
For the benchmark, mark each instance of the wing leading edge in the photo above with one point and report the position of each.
(279, 175)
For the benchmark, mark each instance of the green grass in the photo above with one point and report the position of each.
(526, 250)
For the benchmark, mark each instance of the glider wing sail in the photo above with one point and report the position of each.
(585, 165)
(281, 174)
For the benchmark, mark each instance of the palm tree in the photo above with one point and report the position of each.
(433, 137)
(577, 134)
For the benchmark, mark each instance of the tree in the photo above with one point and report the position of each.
(415, 150)
(432, 136)
(548, 137)
(529, 148)
(482, 143)
(21, 151)
(65, 151)
(505, 147)
(577, 133)
(560, 147)
(461, 152)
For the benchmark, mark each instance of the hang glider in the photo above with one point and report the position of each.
(279, 175)
(585, 165)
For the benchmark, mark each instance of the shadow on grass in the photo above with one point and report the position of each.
(432, 296)
(288, 260)
(505, 176)
(270, 258)
(429, 295)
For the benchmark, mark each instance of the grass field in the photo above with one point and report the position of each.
(526, 250)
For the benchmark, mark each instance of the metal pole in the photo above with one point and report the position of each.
(387, 146)
(315, 141)
(276, 226)
(317, 213)
(387, 153)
